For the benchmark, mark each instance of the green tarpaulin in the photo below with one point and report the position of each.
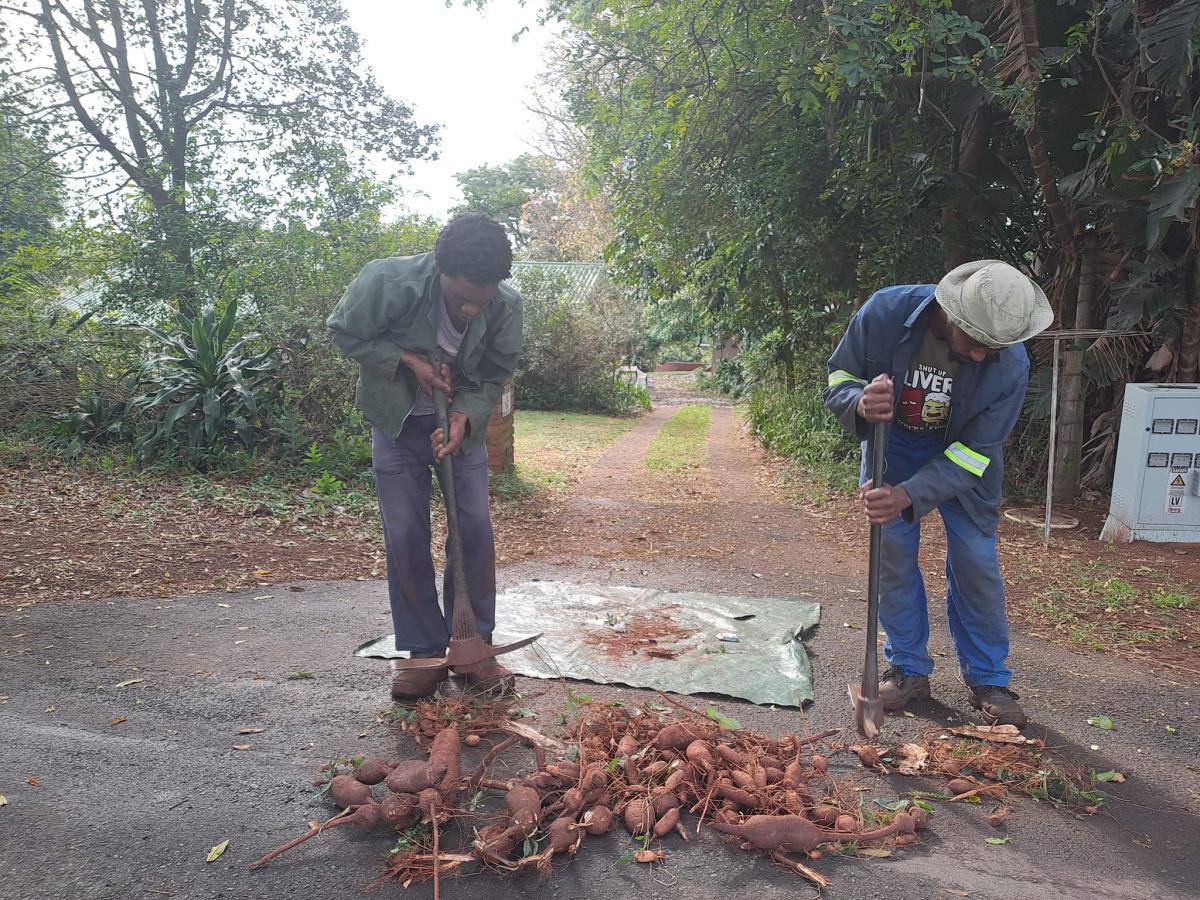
(683, 642)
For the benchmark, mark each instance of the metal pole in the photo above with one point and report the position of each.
(1053, 435)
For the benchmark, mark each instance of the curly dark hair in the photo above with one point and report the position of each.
(474, 245)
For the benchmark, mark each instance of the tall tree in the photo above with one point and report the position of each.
(179, 97)
(502, 192)
(30, 188)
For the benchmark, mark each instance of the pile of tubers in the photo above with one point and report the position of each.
(625, 765)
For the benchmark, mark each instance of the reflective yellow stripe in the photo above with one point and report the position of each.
(841, 376)
(962, 455)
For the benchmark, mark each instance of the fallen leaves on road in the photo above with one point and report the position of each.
(251, 731)
(1118, 777)
(1104, 723)
(118, 720)
(243, 746)
(910, 758)
(215, 853)
(3, 800)
(995, 841)
(997, 818)
(35, 782)
(130, 682)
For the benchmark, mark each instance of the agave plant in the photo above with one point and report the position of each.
(203, 391)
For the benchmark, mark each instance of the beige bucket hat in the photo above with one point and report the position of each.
(994, 303)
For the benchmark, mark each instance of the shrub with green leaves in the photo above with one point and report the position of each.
(798, 426)
(203, 392)
(573, 344)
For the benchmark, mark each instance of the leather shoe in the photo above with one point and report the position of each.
(415, 684)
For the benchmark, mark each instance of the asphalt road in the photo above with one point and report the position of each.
(130, 810)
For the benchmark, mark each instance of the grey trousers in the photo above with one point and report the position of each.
(403, 484)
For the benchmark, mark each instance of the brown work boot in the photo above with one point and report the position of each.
(896, 689)
(488, 675)
(414, 684)
(999, 705)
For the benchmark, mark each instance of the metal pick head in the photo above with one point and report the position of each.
(464, 653)
(868, 712)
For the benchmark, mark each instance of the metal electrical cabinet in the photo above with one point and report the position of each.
(1156, 487)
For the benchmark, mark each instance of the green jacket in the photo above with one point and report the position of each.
(393, 306)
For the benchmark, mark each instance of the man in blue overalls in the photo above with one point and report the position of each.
(945, 364)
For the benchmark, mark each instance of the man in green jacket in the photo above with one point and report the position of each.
(392, 318)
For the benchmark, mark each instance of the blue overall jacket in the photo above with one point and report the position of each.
(883, 337)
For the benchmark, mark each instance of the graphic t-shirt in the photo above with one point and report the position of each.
(925, 397)
(449, 339)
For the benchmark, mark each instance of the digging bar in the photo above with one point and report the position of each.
(467, 649)
(864, 697)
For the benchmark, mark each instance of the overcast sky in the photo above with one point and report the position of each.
(459, 68)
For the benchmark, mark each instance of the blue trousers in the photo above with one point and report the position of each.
(975, 594)
(403, 483)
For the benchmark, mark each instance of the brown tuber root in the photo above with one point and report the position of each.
(679, 777)
(744, 799)
(565, 773)
(597, 820)
(563, 835)
(365, 817)
(794, 834)
(525, 805)
(699, 754)
(825, 815)
(540, 781)
(958, 786)
(472, 740)
(446, 753)
(572, 801)
(667, 822)
(497, 841)
(373, 770)
(627, 746)
(639, 816)
(398, 809)
(820, 763)
(845, 823)
(413, 776)
(676, 736)
(867, 755)
(663, 800)
(735, 758)
(347, 791)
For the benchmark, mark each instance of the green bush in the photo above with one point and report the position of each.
(573, 345)
(203, 393)
(729, 378)
(799, 427)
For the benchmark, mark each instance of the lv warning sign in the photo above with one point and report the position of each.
(1175, 495)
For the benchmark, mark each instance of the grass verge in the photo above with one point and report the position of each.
(680, 443)
(553, 449)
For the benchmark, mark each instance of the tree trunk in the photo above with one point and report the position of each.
(974, 138)
(1189, 340)
(787, 355)
(1056, 207)
(1072, 396)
